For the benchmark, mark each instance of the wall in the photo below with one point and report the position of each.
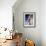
(29, 33)
(43, 22)
(6, 13)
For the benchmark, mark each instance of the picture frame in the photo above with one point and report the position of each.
(29, 19)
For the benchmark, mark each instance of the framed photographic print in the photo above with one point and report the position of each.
(29, 19)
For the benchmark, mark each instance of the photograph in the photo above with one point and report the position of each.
(29, 19)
